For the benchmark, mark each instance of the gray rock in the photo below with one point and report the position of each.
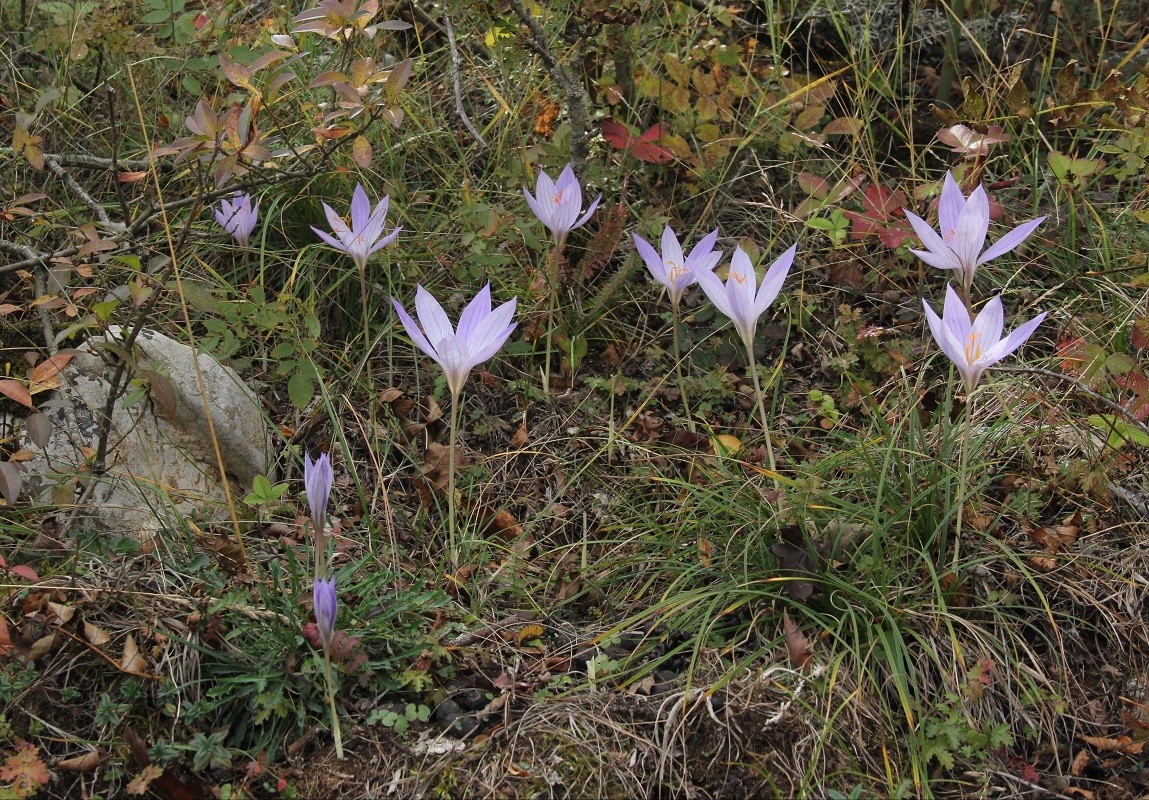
(161, 466)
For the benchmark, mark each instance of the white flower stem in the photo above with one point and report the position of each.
(678, 366)
(452, 542)
(762, 409)
(331, 704)
(963, 473)
(553, 285)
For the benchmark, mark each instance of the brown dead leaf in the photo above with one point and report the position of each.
(797, 645)
(95, 634)
(390, 395)
(133, 660)
(6, 645)
(847, 272)
(1120, 744)
(1058, 536)
(1080, 762)
(17, 391)
(520, 439)
(1084, 794)
(705, 551)
(1044, 564)
(436, 466)
(82, 763)
(42, 646)
(63, 612)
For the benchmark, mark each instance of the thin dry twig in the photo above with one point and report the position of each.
(456, 64)
(79, 192)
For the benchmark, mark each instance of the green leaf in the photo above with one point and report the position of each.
(300, 388)
(156, 17)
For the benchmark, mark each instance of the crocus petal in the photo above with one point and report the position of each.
(956, 316)
(545, 195)
(741, 284)
(337, 223)
(413, 331)
(1010, 240)
(954, 350)
(326, 607)
(772, 283)
(475, 313)
(986, 329)
(972, 226)
(432, 317)
(1015, 340)
(386, 240)
(951, 205)
(455, 359)
(567, 181)
(654, 263)
(583, 219)
(317, 480)
(715, 291)
(671, 249)
(493, 334)
(328, 239)
(360, 209)
(536, 208)
(940, 254)
(704, 256)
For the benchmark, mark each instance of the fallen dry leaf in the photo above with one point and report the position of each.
(42, 646)
(1080, 762)
(1120, 744)
(82, 763)
(95, 634)
(797, 645)
(133, 660)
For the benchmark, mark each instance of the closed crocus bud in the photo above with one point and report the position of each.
(326, 608)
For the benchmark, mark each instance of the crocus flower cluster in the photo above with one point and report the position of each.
(557, 203)
(238, 217)
(317, 480)
(972, 344)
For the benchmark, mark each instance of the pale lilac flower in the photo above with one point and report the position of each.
(964, 224)
(671, 268)
(557, 203)
(737, 299)
(317, 479)
(365, 234)
(974, 347)
(480, 334)
(326, 607)
(971, 144)
(238, 217)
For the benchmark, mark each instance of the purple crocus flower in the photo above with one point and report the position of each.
(238, 216)
(557, 203)
(964, 224)
(480, 334)
(317, 479)
(326, 607)
(975, 346)
(365, 234)
(737, 299)
(671, 268)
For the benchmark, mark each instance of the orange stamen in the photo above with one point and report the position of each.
(972, 347)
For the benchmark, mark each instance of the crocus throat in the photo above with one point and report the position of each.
(972, 348)
(676, 271)
(559, 196)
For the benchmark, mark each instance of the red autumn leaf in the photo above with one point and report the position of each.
(25, 572)
(797, 645)
(16, 391)
(642, 147)
(1140, 334)
(24, 770)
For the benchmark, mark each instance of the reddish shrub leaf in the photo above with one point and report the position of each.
(642, 147)
(797, 645)
(1141, 332)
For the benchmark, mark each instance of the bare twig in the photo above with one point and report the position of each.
(571, 87)
(92, 162)
(456, 64)
(78, 190)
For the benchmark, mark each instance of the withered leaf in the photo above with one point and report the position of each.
(95, 634)
(797, 645)
(133, 660)
(1120, 744)
(82, 763)
(796, 560)
(38, 426)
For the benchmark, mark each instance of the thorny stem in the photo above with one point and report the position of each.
(452, 542)
(678, 366)
(331, 704)
(762, 409)
(963, 473)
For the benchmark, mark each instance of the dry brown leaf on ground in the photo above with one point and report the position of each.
(797, 645)
(95, 634)
(133, 660)
(82, 763)
(1080, 762)
(1120, 744)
